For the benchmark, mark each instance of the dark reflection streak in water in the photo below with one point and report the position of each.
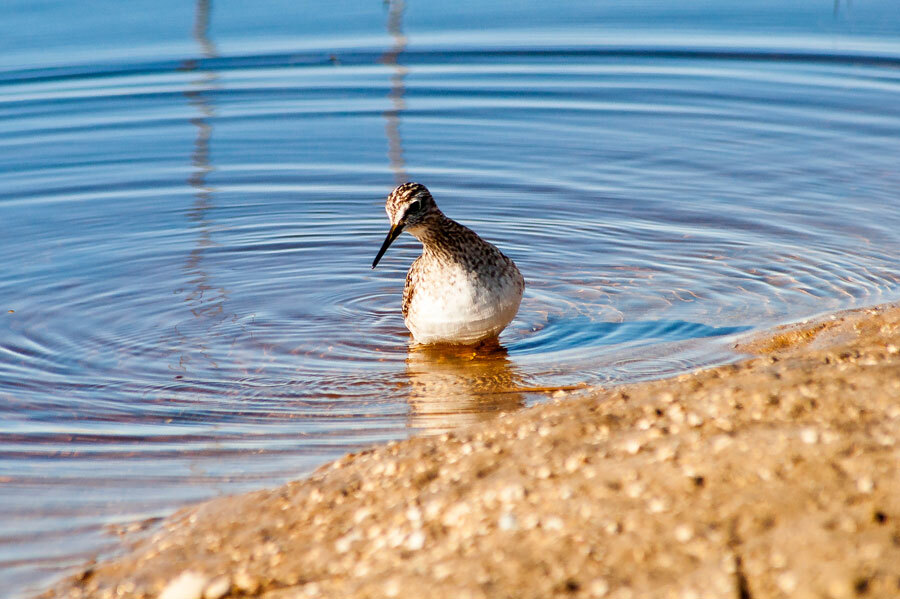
(391, 58)
(837, 8)
(205, 301)
(201, 28)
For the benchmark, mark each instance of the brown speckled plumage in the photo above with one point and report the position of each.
(461, 289)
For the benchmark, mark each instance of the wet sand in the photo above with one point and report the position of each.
(775, 477)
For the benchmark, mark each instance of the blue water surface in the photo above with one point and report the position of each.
(191, 195)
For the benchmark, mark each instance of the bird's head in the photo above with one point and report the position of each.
(407, 207)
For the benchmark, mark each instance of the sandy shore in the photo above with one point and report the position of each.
(775, 477)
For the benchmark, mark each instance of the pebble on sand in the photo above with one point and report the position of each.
(189, 585)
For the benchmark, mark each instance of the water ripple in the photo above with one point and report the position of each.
(187, 244)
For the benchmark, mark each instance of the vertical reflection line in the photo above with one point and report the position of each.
(205, 301)
(201, 28)
(398, 73)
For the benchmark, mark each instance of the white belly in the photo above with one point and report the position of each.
(458, 310)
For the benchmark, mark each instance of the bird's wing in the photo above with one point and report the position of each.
(410, 289)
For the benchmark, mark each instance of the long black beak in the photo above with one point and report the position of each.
(393, 234)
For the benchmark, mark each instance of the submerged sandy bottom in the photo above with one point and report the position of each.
(774, 477)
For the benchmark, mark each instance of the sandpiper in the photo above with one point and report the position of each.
(461, 289)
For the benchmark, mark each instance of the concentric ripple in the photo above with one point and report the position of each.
(188, 307)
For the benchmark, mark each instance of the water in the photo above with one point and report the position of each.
(191, 197)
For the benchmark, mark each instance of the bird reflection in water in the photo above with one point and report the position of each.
(452, 386)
